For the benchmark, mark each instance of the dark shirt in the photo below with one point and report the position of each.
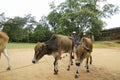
(75, 38)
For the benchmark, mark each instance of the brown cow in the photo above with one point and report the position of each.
(3, 48)
(83, 51)
(57, 45)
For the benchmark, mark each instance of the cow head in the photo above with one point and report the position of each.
(80, 53)
(40, 51)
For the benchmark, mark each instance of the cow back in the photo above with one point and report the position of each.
(87, 42)
(59, 43)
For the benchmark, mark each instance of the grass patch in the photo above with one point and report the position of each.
(105, 44)
(20, 45)
(97, 44)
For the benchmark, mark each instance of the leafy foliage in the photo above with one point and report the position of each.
(72, 15)
(82, 16)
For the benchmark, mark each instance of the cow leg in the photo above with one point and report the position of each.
(87, 66)
(7, 57)
(90, 59)
(70, 62)
(77, 71)
(0, 54)
(56, 65)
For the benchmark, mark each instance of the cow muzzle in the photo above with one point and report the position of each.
(34, 61)
(77, 63)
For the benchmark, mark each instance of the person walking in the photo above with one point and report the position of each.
(76, 41)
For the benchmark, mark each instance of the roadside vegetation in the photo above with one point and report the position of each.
(71, 15)
(106, 44)
(20, 45)
(97, 44)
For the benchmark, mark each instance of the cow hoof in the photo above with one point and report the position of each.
(88, 71)
(76, 76)
(8, 68)
(90, 63)
(72, 57)
(55, 72)
(68, 69)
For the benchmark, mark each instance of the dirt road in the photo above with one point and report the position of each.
(106, 66)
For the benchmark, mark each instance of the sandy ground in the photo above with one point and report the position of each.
(106, 66)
